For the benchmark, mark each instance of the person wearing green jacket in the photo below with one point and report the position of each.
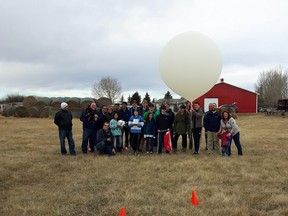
(181, 127)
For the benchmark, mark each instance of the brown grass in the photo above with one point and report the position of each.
(36, 180)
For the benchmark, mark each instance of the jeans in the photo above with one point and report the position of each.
(67, 134)
(190, 136)
(236, 139)
(103, 148)
(126, 131)
(88, 135)
(118, 140)
(225, 151)
(149, 144)
(197, 138)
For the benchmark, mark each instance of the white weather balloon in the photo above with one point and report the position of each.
(190, 64)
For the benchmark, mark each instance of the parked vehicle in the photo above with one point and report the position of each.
(283, 105)
(229, 107)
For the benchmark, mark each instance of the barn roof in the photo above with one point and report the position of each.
(224, 83)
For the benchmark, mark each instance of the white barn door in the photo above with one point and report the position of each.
(207, 101)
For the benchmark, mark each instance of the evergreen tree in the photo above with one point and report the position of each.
(122, 99)
(136, 97)
(168, 95)
(147, 98)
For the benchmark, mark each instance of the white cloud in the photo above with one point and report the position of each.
(63, 47)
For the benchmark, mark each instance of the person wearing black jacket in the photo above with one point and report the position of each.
(63, 119)
(104, 143)
(124, 115)
(211, 123)
(162, 125)
(92, 121)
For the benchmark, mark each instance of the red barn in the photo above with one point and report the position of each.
(224, 93)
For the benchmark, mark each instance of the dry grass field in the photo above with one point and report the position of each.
(36, 180)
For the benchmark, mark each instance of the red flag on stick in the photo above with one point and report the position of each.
(167, 141)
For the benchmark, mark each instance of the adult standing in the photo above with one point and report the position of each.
(181, 127)
(109, 114)
(196, 124)
(63, 119)
(103, 111)
(190, 136)
(124, 115)
(162, 125)
(212, 125)
(143, 108)
(228, 124)
(92, 121)
(155, 112)
(116, 107)
(171, 117)
(133, 107)
(210, 107)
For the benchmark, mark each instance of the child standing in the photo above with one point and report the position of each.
(135, 123)
(116, 130)
(149, 133)
(226, 139)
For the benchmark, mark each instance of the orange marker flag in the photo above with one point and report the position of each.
(122, 212)
(194, 199)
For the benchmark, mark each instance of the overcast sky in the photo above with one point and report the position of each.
(61, 47)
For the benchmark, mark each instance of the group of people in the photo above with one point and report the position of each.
(109, 130)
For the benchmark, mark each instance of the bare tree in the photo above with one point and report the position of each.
(107, 87)
(272, 85)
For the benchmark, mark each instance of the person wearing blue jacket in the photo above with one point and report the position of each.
(135, 123)
(211, 123)
(92, 121)
(149, 133)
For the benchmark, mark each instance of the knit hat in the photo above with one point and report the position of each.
(182, 106)
(64, 105)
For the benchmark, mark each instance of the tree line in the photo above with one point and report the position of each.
(111, 88)
(272, 85)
